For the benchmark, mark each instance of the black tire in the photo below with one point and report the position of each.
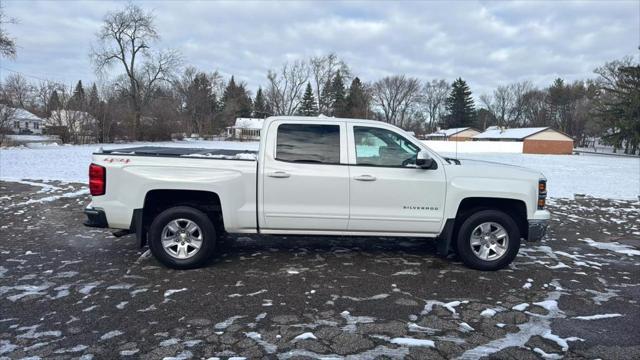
(463, 240)
(202, 256)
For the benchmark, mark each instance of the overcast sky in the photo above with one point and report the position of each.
(485, 43)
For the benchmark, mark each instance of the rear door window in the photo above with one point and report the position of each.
(308, 143)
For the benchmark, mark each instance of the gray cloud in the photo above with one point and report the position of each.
(486, 43)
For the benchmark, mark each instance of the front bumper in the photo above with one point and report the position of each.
(537, 229)
(95, 218)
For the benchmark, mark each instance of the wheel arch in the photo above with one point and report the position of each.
(158, 200)
(515, 208)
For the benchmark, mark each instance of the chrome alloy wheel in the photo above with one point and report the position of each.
(181, 238)
(489, 241)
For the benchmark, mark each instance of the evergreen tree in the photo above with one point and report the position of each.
(93, 101)
(460, 106)
(235, 102)
(200, 103)
(78, 99)
(54, 101)
(326, 98)
(339, 99)
(358, 101)
(308, 106)
(260, 107)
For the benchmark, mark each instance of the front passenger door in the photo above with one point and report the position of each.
(388, 193)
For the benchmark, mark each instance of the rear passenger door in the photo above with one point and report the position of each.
(306, 177)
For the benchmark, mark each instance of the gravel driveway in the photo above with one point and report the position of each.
(67, 291)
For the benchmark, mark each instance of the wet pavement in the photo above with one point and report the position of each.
(67, 291)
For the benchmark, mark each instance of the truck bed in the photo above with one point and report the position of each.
(159, 151)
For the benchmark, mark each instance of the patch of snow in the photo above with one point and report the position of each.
(6, 347)
(537, 325)
(111, 334)
(413, 327)
(225, 324)
(192, 343)
(352, 321)
(173, 291)
(268, 347)
(374, 297)
(169, 342)
(546, 355)
(597, 316)
(412, 342)
(241, 156)
(449, 306)
(521, 307)
(305, 336)
(76, 348)
(488, 313)
(612, 246)
(464, 327)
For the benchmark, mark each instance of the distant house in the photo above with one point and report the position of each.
(538, 140)
(72, 125)
(455, 134)
(245, 129)
(21, 121)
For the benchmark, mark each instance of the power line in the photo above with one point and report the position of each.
(29, 76)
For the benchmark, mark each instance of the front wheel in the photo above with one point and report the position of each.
(182, 237)
(488, 240)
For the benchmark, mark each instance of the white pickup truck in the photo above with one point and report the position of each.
(316, 176)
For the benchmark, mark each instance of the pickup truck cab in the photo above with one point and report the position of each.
(316, 176)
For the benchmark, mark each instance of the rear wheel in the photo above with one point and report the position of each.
(488, 240)
(182, 237)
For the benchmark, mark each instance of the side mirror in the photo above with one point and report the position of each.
(424, 161)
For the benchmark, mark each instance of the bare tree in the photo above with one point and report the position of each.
(43, 94)
(125, 38)
(6, 116)
(323, 70)
(7, 44)
(508, 103)
(17, 91)
(396, 96)
(435, 95)
(518, 91)
(286, 87)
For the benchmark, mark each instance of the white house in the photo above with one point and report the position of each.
(76, 121)
(79, 125)
(246, 129)
(21, 121)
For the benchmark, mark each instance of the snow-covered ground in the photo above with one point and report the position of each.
(71, 163)
(598, 176)
(594, 175)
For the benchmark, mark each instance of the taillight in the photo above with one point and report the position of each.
(542, 193)
(97, 180)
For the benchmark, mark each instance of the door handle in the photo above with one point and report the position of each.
(278, 174)
(365, 178)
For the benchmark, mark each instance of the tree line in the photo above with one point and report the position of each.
(156, 96)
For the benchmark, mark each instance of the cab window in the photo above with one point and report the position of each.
(308, 143)
(382, 147)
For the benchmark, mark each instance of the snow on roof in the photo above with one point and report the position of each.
(248, 123)
(21, 114)
(448, 132)
(519, 134)
(71, 114)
